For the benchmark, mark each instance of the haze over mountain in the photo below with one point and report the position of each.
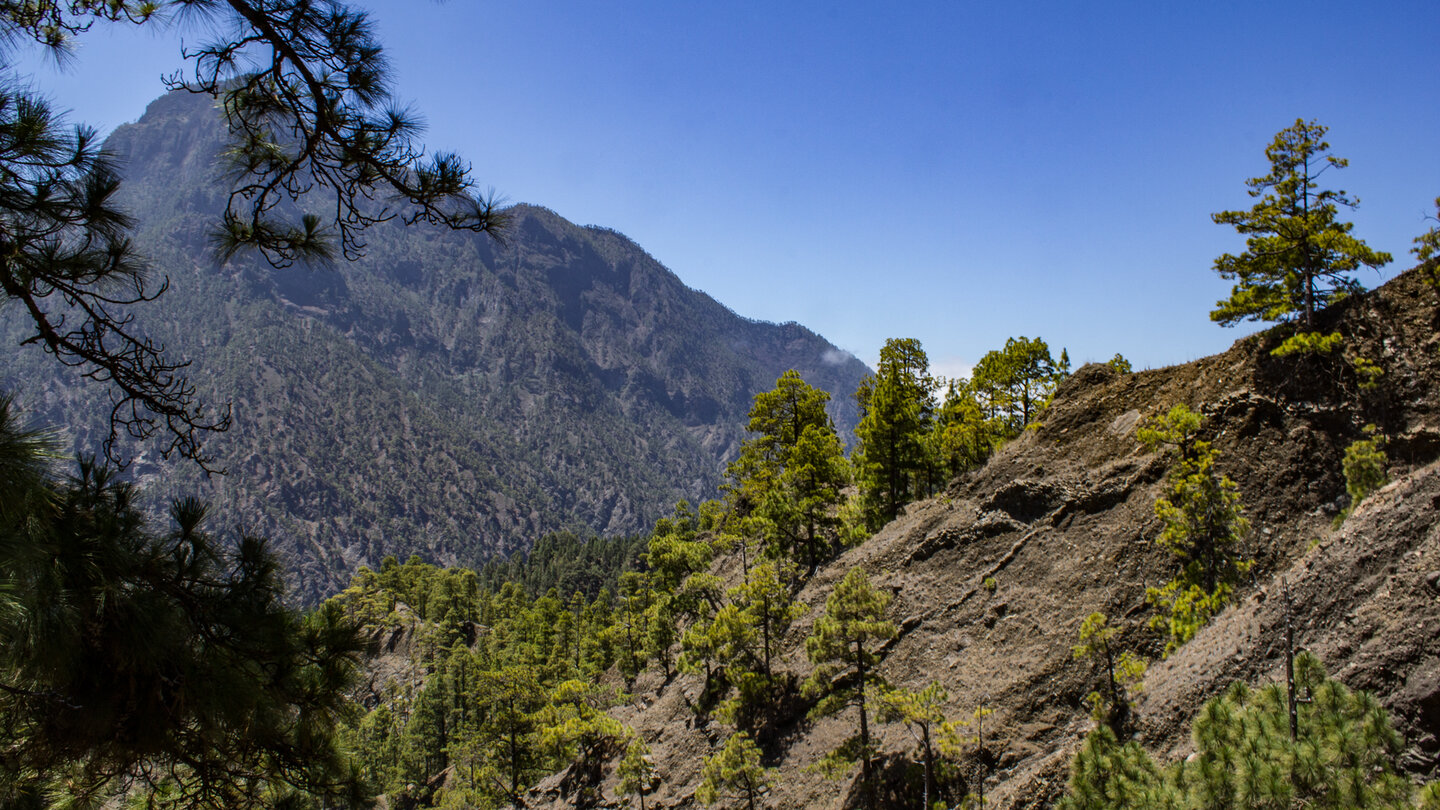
(446, 395)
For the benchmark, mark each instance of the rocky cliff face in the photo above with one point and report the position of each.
(1063, 521)
(446, 395)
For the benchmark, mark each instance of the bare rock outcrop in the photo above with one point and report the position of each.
(1062, 522)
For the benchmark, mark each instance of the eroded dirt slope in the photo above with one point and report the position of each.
(1062, 519)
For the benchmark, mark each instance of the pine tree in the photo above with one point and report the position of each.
(636, 773)
(745, 635)
(1341, 759)
(661, 631)
(964, 437)
(897, 407)
(1298, 256)
(162, 660)
(769, 606)
(804, 507)
(304, 86)
(1203, 525)
(510, 700)
(376, 743)
(789, 474)
(1364, 466)
(629, 632)
(923, 714)
(1012, 384)
(425, 743)
(566, 658)
(674, 551)
(1124, 671)
(845, 673)
(1106, 775)
(1036, 375)
(1427, 248)
(991, 382)
(734, 774)
(575, 729)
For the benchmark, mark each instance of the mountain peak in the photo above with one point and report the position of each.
(448, 394)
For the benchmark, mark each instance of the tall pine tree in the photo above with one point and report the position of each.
(1298, 256)
(842, 646)
(898, 407)
(788, 477)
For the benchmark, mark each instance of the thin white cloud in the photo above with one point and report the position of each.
(952, 368)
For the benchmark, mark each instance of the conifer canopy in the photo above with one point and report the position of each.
(1298, 256)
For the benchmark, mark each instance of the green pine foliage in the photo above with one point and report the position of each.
(786, 485)
(1341, 759)
(1309, 343)
(1015, 383)
(163, 663)
(1364, 466)
(965, 436)
(735, 638)
(897, 408)
(747, 633)
(1005, 394)
(501, 745)
(576, 731)
(1299, 258)
(568, 563)
(1105, 775)
(676, 551)
(509, 690)
(733, 775)
(1124, 671)
(508, 693)
(923, 714)
(628, 634)
(636, 772)
(1202, 526)
(841, 645)
(1427, 248)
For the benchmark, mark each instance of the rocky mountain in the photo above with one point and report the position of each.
(447, 395)
(992, 579)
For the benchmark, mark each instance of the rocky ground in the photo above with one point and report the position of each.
(1062, 520)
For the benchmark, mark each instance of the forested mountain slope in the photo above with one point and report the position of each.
(990, 581)
(446, 395)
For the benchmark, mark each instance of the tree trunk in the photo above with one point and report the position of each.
(765, 633)
(865, 785)
(929, 766)
(1110, 670)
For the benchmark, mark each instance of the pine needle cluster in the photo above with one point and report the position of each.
(1203, 526)
(1342, 757)
(163, 664)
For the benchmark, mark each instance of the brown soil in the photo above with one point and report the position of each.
(1063, 520)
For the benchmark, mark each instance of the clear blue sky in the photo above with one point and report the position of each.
(958, 172)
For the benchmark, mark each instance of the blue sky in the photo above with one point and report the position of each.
(956, 172)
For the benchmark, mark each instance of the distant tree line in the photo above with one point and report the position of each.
(509, 658)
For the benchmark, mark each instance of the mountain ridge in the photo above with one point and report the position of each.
(991, 580)
(446, 394)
